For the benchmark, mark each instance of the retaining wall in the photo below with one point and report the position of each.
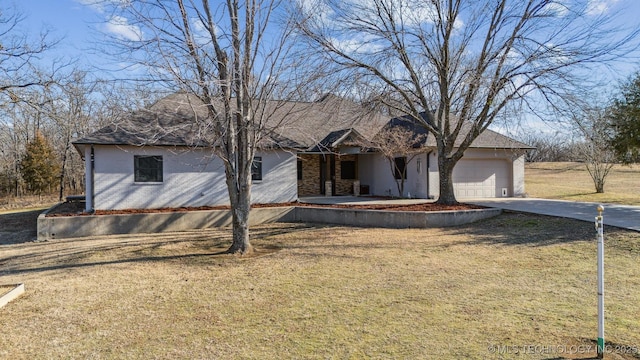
(391, 219)
(60, 227)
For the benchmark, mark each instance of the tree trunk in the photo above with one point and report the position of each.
(445, 167)
(240, 199)
(240, 215)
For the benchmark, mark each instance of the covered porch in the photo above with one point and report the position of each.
(332, 166)
(329, 175)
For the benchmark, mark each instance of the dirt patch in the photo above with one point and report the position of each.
(77, 208)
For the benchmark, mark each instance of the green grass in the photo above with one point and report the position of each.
(571, 181)
(322, 292)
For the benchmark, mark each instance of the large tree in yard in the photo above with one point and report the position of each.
(625, 119)
(457, 66)
(232, 57)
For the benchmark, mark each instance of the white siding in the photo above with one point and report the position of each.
(480, 173)
(518, 176)
(191, 178)
(374, 170)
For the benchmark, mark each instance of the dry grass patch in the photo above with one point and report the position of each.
(29, 202)
(571, 181)
(322, 292)
(4, 289)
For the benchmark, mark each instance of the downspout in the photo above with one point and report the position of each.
(428, 168)
(93, 183)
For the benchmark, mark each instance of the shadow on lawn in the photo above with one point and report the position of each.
(209, 245)
(513, 228)
(19, 227)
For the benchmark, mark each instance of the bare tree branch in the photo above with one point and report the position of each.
(455, 66)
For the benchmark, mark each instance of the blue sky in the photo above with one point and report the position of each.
(81, 24)
(66, 18)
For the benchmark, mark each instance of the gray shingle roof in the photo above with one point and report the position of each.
(181, 120)
(487, 139)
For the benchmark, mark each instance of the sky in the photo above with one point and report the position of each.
(78, 25)
(81, 26)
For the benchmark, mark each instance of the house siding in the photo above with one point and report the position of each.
(423, 180)
(518, 176)
(375, 172)
(192, 177)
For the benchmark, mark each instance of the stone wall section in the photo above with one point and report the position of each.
(310, 183)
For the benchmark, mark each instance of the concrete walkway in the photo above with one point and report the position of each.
(622, 216)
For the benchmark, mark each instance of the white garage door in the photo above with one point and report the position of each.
(481, 178)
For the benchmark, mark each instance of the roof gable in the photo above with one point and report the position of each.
(335, 139)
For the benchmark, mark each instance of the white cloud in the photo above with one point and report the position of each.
(593, 7)
(410, 13)
(364, 44)
(558, 7)
(599, 7)
(120, 27)
(94, 4)
(201, 34)
(100, 5)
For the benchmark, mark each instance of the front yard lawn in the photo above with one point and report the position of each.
(513, 284)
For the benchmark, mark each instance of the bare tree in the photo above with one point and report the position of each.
(399, 146)
(550, 147)
(69, 107)
(593, 124)
(231, 56)
(18, 52)
(456, 66)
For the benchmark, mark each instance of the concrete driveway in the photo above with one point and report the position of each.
(622, 216)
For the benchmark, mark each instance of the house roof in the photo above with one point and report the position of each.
(180, 119)
(345, 137)
(487, 139)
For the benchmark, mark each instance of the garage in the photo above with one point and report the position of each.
(480, 178)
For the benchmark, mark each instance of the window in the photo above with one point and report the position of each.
(348, 170)
(299, 169)
(400, 168)
(256, 168)
(147, 168)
